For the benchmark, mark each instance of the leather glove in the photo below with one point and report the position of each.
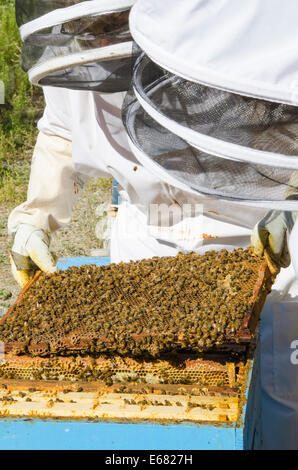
(30, 252)
(270, 238)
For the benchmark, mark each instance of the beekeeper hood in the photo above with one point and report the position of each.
(76, 44)
(215, 95)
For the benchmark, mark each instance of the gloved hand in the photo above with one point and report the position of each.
(270, 238)
(29, 253)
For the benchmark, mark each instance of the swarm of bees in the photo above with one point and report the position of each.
(189, 302)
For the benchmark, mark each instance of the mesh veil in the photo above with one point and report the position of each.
(170, 155)
(217, 121)
(92, 52)
(28, 10)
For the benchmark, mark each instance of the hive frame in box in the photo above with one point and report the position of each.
(169, 402)
(68, 432)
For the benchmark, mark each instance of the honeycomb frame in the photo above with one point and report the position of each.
(80, 340)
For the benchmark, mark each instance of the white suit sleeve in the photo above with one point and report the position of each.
(57, 116)
(53, 186)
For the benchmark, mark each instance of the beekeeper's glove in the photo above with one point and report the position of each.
(53, 189)
(29, 253)
(270, 238)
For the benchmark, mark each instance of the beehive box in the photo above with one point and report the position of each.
(200, 388)
(195, 390)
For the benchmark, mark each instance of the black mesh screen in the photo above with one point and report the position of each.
(113, 75)
(106, 77)
(203, 172)
(28, 10)
(253, 123)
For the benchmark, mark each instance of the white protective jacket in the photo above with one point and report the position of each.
(88, 127)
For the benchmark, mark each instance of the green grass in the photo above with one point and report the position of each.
(18, 116)
(4, 294)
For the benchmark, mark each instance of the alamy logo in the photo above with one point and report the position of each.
(294, 354)
(179, 225)
(167, 215)
(2, 92)
(294, 90)
(2, 353)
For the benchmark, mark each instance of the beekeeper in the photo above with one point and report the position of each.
(216, 92)
(197, 171)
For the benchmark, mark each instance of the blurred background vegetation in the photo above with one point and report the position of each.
(18, 116)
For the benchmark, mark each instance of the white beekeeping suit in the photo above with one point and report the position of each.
(216, 88)
(211, 137)
(81, 135)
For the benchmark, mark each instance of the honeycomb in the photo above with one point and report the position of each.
(148, 308)
(201, 372)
